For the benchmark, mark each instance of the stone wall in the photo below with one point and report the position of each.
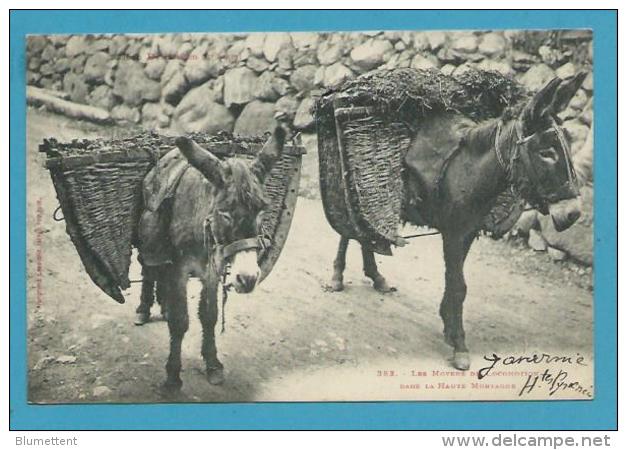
(236, 82)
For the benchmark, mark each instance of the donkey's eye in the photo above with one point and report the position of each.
(548, 154)
(225, 216)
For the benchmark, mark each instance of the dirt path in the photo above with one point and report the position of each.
(291, 335)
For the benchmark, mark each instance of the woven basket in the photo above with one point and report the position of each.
(100, 195)
(361, 165)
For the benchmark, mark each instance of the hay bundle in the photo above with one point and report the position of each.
(409, 94)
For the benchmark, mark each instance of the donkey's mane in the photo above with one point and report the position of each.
(482, 136)
(243, 186)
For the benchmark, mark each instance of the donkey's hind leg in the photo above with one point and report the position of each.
(147, 297)
(339, 264)
(372, 272)
(208, 313)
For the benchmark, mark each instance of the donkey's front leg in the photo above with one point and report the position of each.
(208, 313)
(372, 272)
(339, 264)
(452, 307)
(175, 284)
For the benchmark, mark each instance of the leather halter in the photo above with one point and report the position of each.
(519, 150)
(227, 251)
(258, 243)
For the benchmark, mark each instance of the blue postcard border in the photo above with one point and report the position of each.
(600, 413)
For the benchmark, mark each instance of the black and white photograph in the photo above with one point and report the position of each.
(369, 215)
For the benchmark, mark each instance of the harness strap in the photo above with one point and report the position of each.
(497, 149)
(245, 244)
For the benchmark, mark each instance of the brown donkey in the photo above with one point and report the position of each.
(529, 154)
(214, 230)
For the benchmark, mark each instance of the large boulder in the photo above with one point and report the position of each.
(77, 63)
(35, 44)
(577, 132)
(303, 78)
(273, 44)
(154, 116)
(501, 66)
(175, 88)
(304, 118)
(199, 68)
(154, 68)
(566, 71)
(264, 87)
(329, 53)
(198, 111)
(256, 118)
(302, 40)
(254, 43)
(125, 113)
(167, 45)
(537, 76)
(583, 160)
(336, 74)
(305, 57)
(132, 84)
(288, 105)
(62, 65)
(77, 44)
(424, 62)
(239, 86)
(172, 68)
(257, 64)
(578, 240)
(75, 85)
(285, 58)
(96, 67)
(102, 97)
(466, 43)
(118, 45)
(436, 39)
(371, 53)
(493, 44)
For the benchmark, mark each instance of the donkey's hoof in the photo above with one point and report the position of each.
(215, 375)
(141, 318)
(461, 360)
(336, 285)
(381, 285)
(172, 386)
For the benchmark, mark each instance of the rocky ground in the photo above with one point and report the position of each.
(292, 338)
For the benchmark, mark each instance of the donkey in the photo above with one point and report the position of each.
(214, 228)
(528, 153)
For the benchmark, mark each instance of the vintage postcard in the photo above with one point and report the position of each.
(310, 216)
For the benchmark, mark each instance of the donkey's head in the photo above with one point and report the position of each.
(234, 223)
(542, 166)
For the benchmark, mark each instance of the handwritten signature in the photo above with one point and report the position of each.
(554, 380)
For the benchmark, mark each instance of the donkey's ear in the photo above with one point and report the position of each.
(270, 153)
(566, 91)
(203, 160)
(537, 106)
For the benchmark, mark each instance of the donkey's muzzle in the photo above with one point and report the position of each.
(245, 273)
(565, 213)
(245, 283)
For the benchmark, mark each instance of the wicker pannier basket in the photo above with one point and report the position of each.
(361, 164)
(98, 184)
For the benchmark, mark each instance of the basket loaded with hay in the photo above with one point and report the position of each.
(365, 128)
(99, 186)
